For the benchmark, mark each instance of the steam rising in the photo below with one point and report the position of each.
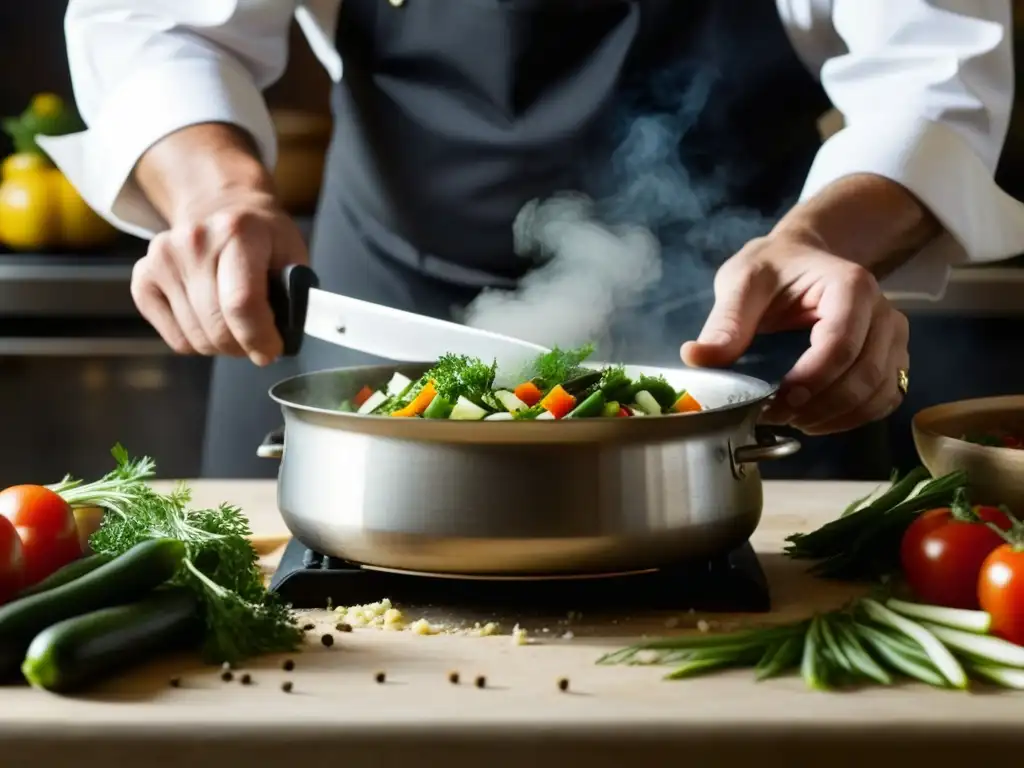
(631, 271)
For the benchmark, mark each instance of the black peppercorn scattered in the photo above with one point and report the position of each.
(286, 686)
(246, 679)
(343, 627)
(327, 640)
(288, 665)
(226, 676)
(453, 678)
(308, 627)
(175, 682)
(563, 684)
(380, 677)
(481, 682)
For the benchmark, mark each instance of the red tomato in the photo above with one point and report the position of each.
(1001, 592)
(10, 561)
(942, 555)
(46, 526)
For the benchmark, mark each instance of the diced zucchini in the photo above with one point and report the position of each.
(439, 408)
(373, 402)
(467, 410)
(647, 403)
(546, 416)
(346, 407)
(509, 401)
(500, 416)
(398, 385)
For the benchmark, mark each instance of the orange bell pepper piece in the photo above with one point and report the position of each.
(529, 393)
(558, 402)
(686, 403)
(419, 403)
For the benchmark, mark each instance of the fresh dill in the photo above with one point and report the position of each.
(559, 365)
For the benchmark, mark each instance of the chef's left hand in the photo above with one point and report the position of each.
(785, 281)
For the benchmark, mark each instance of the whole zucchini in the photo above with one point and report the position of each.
(125, 579)
(67, 574)
(83, 650)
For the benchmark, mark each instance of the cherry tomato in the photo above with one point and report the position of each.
(942, 554)
(10, 561)
(1001, 592)
(46, 526)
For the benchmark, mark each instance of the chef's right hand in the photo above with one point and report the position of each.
(203, 282)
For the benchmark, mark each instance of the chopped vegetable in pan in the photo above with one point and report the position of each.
(998, 439)
(558, 386)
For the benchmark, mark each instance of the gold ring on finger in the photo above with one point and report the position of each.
(903, 381)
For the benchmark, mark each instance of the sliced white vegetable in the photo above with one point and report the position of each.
(978, 622)
(646, 401)
(635, 410)
(937, 652)
(510, 401)
(373, 402)
(1004, 676)
(546, 416)
(467, 410)
(398, 385)
(499, 417)
(985, 647)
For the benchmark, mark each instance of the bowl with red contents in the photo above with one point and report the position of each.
(984, 437)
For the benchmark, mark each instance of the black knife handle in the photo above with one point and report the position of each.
(288, 292)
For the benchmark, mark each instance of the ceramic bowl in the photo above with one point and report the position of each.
(996, 474)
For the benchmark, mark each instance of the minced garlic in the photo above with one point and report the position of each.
(422, 627)
(519, 635)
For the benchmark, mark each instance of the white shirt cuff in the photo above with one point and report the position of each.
(150, 105)
(983, 223)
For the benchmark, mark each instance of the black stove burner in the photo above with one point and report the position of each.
(732, 583)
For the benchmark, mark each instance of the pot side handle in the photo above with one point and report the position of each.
(775, 447)
(272, 446)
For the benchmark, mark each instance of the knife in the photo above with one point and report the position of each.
(302, 309)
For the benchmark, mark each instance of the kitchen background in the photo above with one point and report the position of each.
(80, 370)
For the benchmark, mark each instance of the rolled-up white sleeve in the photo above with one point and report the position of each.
(142, 69)
(926, 90)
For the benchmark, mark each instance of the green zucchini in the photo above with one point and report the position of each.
(439, 408)
(124, 579)
(592, 406)
(83, 650)
(582, 382)
(67, 574)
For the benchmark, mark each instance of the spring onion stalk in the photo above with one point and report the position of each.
(978, 622)
(1004, 676)
(937, 652)
(983, 647)
(898, 660)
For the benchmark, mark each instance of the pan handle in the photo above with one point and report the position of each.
(775, 447)
(272, 446)
(288, 294)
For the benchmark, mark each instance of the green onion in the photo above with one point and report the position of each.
(983, 647)
(1004, 676)
(937, 652)
(979, 622)
(893, 656)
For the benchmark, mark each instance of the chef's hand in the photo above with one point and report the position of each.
(203, 283)
(858, 341)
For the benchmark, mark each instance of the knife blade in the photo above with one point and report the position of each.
(301, 309)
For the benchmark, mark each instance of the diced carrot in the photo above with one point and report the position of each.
(362, 396)
(529, 393)
(686, 403)
(558, 402)
(419, 403)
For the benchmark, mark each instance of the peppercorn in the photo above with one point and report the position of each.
(308, 627)
(246, 679)
(288, 665)
(327, 640)
(286, 686)
(380, 677)
(175, 682)
(226, 676)
(563, 684)
(453, 678)
(481, 682)
(343, 627)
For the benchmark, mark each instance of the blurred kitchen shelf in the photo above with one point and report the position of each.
(989, 291)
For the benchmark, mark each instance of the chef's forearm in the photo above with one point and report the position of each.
(185, 171)
(864, 218)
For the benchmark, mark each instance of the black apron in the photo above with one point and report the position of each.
(452, 114)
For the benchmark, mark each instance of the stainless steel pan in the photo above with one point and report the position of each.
(530, 498)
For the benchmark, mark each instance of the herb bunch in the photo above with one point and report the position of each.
(242, 618)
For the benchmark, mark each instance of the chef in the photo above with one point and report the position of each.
(450, 115)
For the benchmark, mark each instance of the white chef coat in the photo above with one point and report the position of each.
(925, 87)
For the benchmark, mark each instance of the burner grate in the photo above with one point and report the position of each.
(733, 583)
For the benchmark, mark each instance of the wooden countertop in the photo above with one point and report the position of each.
(337, 712)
